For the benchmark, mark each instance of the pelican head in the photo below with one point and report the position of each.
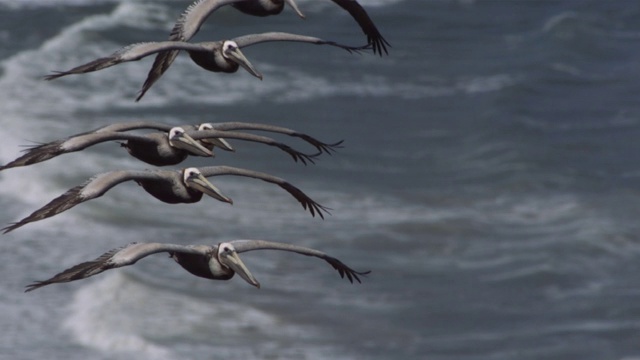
(231, 52)
(211, 142)
(194, 179)
(228, 257)
(179, 139)
(294, 6)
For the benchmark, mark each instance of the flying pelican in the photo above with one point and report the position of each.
(221, 126)
(170, 186)
(196, 14)
(322, 147)
(158, 149)
(218, 262)
(217, 56)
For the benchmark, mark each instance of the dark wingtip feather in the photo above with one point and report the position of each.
(12, 226)
(344, 270)
(379, 45)
(54, 75)
(35, 285)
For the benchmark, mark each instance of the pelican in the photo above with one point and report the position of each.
(218, 262)
(170, 186)
(322, 147)
(196, 14)
(159, 149)
(210, 143)
(217, 56)
(221, 126)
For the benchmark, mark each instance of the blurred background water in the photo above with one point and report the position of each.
(489, 180)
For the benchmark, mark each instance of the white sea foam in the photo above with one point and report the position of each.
(21, 79)
(119, 315)
(100, 320)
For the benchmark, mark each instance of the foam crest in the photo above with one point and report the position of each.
(121, 315)
(21, 82)
(95, 321)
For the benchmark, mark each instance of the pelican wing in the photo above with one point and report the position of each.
(128, 53)
(307, 203)
(94, 188)
(295, 154)
(187, 26)
(194, 16)
(237, 125)
(344, 270)
(43, 152)
(366, 24)
(119, 257)
(135, 125)
(248, 40)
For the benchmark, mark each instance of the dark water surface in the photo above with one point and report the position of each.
(489, 180)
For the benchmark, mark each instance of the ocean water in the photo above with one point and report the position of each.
(489, 179)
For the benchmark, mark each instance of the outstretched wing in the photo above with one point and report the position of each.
(237, 125)
(366, 24)
(136, 125)
(43, 152)
(344, 270)
(295, 154)
(94, 188)
(307, 203)
(119, 257)
(252, 39)
(128, 53)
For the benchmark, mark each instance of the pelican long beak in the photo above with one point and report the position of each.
(219, 142)
(186, 142)
(238, 57)
(200, 183)
(234, 263)
(294, 6)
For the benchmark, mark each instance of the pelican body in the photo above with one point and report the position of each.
(217, 56)
(259, 8)
(173, 187)
(159, 149)
(163, 149)
(217, 262)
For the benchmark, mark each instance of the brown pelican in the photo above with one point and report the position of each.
(210, 143)
(217, 56)
(322, 147)
(160, 149)
(192, 19)
(221, 126)
(169, 186)
(218, 262)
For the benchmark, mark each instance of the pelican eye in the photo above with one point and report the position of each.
(192, 173)
(230, 46)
